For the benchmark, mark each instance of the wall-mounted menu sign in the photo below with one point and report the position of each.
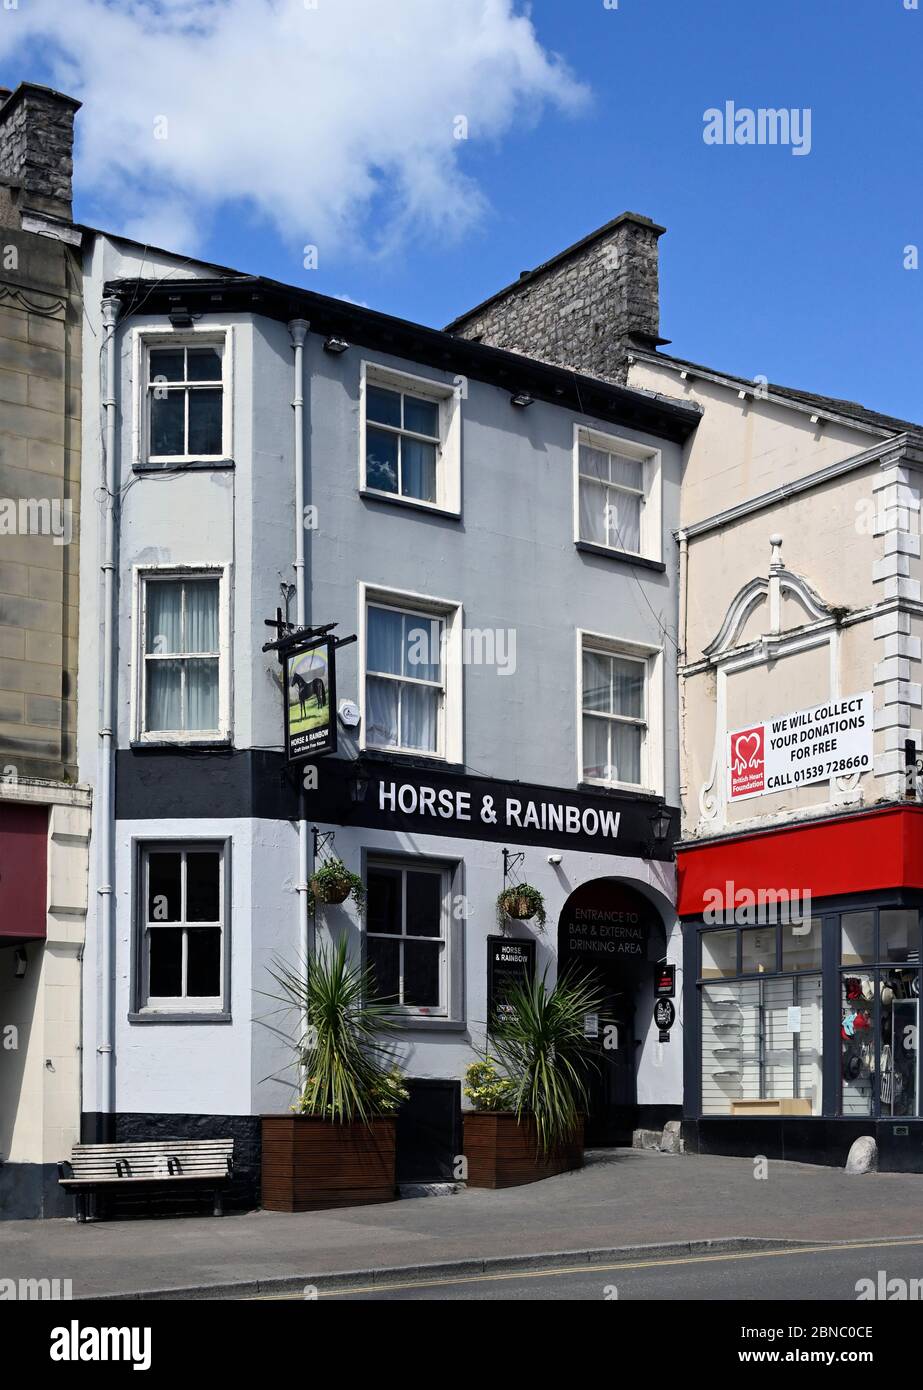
(510, 962)
(309, 694)
(665, 982)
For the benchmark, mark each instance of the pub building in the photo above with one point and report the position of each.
(481, 548)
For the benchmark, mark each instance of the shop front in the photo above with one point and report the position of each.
(802, 963)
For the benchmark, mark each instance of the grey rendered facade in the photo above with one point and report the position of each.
(497, 554)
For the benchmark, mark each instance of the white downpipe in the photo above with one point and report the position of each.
(298, 329)
(106, 1043)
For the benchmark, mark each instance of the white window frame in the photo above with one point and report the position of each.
(405, 864)
(154, 1006)
(143, 340)
(448, 452)
(142, 576)
(652, 749)
(651, 538)
(449, 742)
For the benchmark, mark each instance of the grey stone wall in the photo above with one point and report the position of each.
(39, 505)
(584, 308)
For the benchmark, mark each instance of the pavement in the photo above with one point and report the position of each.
(621, 1199)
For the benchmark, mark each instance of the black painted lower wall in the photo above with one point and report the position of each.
(242, 1193)
(799, 1140)
(30, 1190)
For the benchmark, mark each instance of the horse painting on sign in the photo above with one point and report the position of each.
(307, 697)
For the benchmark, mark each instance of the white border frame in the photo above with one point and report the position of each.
(652, 505)
(451, 611)
(380, 859)
(139, 575)
(448, 463)
(652, 766)
(201, 335)
(178, 1011)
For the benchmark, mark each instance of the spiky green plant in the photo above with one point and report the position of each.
(541, 1044)
(342, 1039)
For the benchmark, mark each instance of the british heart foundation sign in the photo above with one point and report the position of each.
(828, 741)
(747, 762)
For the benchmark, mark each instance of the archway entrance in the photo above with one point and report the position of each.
(610, 930)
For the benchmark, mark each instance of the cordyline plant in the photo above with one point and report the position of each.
(541, 1045)
(349, 1070)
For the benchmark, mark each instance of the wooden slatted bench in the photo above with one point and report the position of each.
(131, 1167)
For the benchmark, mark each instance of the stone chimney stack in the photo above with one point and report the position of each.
(585, 308)
(36, 149)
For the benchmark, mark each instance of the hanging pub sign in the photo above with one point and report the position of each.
(510, 962)
(309, 696)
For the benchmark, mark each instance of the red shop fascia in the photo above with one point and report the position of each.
(863, 871)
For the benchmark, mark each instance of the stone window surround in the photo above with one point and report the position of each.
(450, 1009)
(448, 461)
(651, 510)
(652, 768)
(138, 1010)
(200, 335)
(451, 612)
(140, 574)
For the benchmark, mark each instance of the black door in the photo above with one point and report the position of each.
(613, 1081)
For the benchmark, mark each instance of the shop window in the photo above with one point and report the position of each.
(899, 934)
(801, 945)
(857, 932)
(879, 1051)
(182, 929)
(759, 948)
(762, 1036)
(407, 929)
(719, 954)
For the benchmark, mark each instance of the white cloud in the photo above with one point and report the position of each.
(336, 123)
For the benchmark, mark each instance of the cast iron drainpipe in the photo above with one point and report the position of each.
(298, 328)
(106, 958)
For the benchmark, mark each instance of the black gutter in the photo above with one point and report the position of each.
(251, 294)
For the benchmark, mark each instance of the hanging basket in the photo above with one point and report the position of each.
(330, 891)
(521, 902)
(333, 883)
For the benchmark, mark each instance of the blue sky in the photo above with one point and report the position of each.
(774, 264)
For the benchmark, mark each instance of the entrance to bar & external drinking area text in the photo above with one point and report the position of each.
(609, 929)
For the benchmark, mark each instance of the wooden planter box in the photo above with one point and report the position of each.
(502, 1153)
(310, 1164)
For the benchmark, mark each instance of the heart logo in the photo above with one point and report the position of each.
(746, 752)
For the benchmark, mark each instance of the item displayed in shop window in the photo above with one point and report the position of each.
(887, 1075)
